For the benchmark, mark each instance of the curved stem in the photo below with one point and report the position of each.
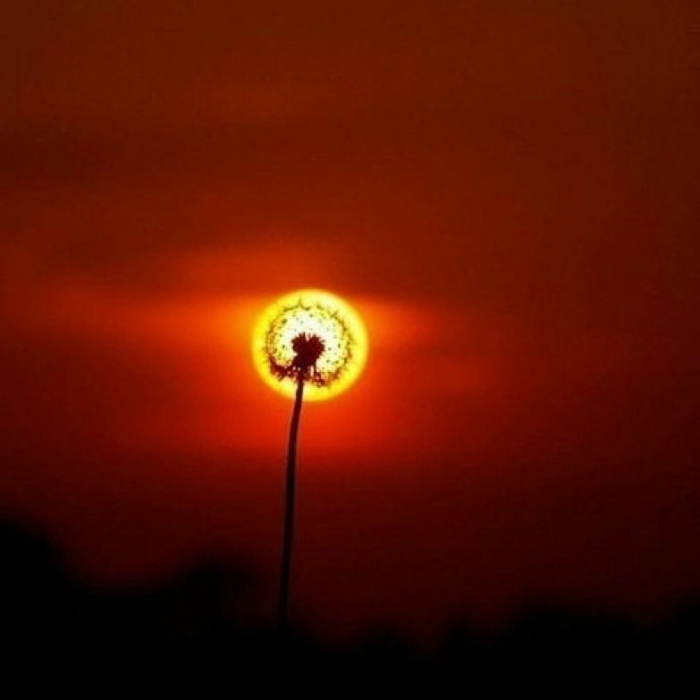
(288, 532)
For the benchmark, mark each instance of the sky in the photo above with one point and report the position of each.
(508, 194)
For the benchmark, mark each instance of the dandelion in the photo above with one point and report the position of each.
(312, 343)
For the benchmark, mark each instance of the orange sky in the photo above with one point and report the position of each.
(508, 193)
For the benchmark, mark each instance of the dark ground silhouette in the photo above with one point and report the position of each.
(57, 634)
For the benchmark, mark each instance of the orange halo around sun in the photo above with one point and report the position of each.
(311, 312)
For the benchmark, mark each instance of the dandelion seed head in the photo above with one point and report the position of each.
(313, 336)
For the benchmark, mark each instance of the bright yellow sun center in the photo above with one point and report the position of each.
(310, 313)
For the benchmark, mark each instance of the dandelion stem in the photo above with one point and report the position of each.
(288, 532)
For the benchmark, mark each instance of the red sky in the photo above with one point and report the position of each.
(507, 191)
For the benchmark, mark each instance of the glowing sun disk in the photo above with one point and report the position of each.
(310, 314)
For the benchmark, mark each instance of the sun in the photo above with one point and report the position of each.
(310, 315)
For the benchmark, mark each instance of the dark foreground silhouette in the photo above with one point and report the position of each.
(59, 635)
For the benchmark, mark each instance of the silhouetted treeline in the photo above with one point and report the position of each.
(191, 634)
